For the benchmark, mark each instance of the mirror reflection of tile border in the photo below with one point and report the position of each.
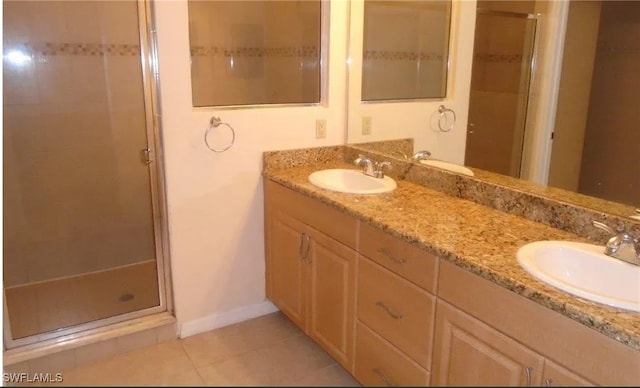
(88, 49)
(402, 55)
(285, 52)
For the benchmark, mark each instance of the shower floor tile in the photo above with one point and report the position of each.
(44, 306)
(265, 351)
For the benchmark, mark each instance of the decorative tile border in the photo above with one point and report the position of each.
(90, 49)
(259, 52)
(604, 50)
(494, 58)
(402, 55)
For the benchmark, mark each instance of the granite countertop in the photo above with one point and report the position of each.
(475, 237)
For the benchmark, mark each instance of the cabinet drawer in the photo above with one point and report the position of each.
(398, 256)
(556, 376)
(320, 216)
(398, 310)
(380, 363)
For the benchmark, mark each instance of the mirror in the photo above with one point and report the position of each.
(255, 52)
(554, 101)
(405, 49)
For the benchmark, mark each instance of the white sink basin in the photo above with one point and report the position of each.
(583, 270)
(448, 166)
(351, 181)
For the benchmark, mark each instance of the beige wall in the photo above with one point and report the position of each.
(76, 195)
(215, 204)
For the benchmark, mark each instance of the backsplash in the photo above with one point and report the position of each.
(558, 208)
(561, 209)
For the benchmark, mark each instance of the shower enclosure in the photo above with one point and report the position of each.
(502, 63)
(83, 245)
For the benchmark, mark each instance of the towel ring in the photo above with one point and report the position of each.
(215, 122)
(443, 115)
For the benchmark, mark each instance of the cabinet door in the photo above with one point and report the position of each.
(468, 352)
(556, 376)
(285, 268)
(332, 299)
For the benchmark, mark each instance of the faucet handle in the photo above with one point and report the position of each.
(603, 226)
(608, 229)
(380, 166)
(420, 155)
(368, 164)
(621, 245)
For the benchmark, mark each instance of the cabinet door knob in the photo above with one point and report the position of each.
(388, 310)
(386, 252)
(383, 377)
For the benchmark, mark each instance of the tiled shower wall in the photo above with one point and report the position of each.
(254, 52)
(405, 50)
(76, 193)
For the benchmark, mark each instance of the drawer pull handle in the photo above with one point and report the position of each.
(301, 248)
(306, 249)
(388, 310)
(386, 252)
(382, 377)
(527, 373)
(303, 251)
(548, 382)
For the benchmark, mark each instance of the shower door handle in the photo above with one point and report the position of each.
(145, 155)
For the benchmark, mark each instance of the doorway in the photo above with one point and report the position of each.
(501, 75)
(595, 141)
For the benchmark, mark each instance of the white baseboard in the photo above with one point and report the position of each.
(227, 318)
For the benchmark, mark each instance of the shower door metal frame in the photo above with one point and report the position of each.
(150, 81)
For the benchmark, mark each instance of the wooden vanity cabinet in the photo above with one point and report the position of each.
(311, 275)
(469, 352)
(395, 310)
(287, 273)
(393, 314)
(489, 323)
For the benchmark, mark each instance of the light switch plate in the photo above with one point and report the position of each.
(321, 128)
(366, 125)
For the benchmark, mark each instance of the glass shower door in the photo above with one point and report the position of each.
(81, 240)
(502, 60)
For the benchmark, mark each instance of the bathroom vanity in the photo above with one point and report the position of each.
(416, 287)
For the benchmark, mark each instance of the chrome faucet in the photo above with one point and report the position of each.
(371, 168)
(622, 246)
(368, 165)
(379, 170)
(421, 155)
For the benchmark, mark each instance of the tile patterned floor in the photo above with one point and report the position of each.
(266, 351)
